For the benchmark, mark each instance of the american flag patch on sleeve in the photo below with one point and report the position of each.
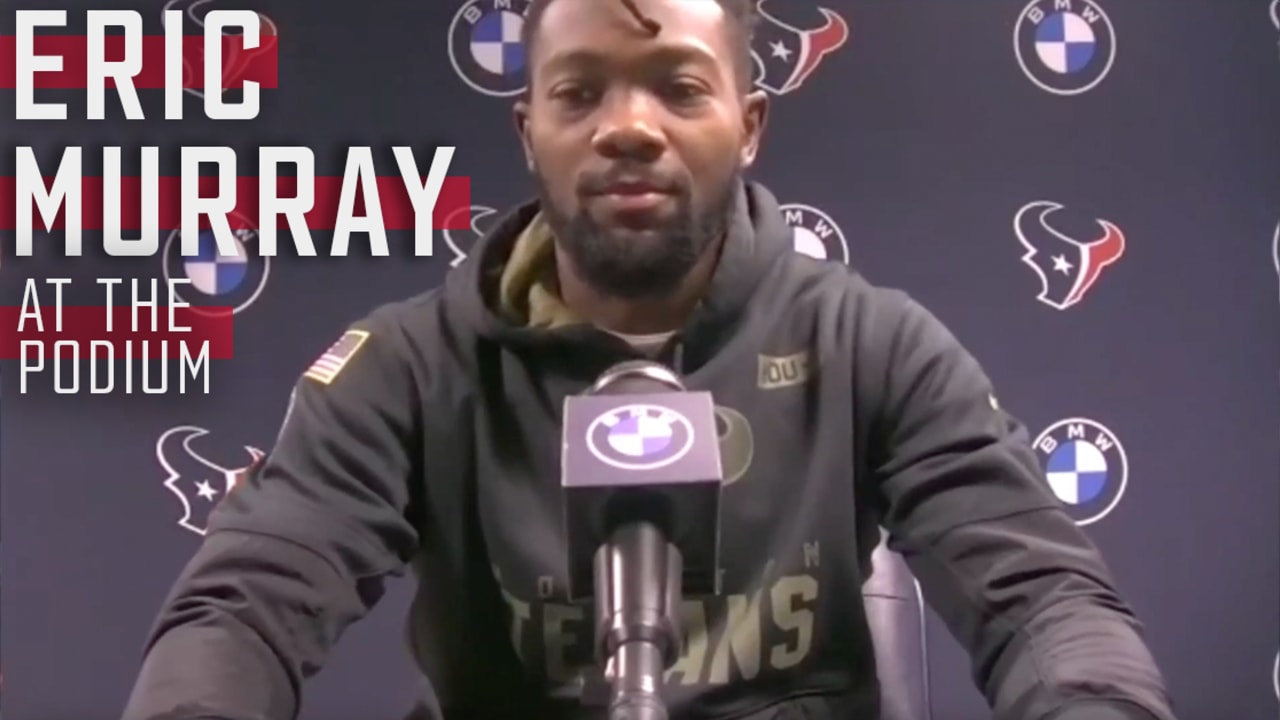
(327, 366)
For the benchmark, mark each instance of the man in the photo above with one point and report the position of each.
(430, 436)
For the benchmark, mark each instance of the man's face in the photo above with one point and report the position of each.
(637, 142)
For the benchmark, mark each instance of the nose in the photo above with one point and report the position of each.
(629, 128)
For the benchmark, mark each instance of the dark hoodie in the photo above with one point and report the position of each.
(845, 407)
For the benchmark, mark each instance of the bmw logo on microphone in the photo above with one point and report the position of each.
(640, 437)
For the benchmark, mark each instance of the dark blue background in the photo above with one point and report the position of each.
(921, 138)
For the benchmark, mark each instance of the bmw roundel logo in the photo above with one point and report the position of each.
(640, 437)
(485, 47)
(815, 233)
(217, 281)
(1086, 467)
(1065, 47)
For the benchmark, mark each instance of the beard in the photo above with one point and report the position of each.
(640, 265)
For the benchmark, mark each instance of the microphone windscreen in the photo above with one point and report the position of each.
(637, 377)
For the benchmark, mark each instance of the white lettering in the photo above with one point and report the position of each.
(359, 177)
(121, 71)
(423, 197)
(173, 41)
(27, 64)
(215, 24)
(271, 206)
(217, 207)
(110, 284)
(31, 354)
(64, 193)
(148, 242)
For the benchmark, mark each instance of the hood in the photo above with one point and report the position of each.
(507, 292)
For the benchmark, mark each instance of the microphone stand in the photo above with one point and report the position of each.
(638, 593)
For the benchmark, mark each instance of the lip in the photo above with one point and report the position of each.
(632, 187)
(634, 200)
(632, 196)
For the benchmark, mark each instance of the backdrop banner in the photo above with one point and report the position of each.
(1087, 192)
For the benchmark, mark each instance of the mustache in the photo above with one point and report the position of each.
(595, 183)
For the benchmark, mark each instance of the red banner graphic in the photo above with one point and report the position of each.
(238, 63)
(162, 332)
(393, 198)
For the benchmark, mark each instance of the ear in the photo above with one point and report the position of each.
(755, 112)
(520, 114)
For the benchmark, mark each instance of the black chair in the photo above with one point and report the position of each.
(895, 611)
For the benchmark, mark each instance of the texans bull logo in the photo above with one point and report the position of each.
(235, 61)
(198, 482)
(1067, 267)
(786, 55)
(461, 242)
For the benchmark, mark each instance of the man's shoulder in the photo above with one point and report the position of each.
(826, 282)
(418, 328)
(406, 314)
(881, 326)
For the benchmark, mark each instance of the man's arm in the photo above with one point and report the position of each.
(1018, 584)
(298, 551)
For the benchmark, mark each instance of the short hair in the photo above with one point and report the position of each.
(741, 13)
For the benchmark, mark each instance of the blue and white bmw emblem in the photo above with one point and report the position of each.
(640, 437)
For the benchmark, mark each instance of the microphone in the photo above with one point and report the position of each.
(641, 479)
